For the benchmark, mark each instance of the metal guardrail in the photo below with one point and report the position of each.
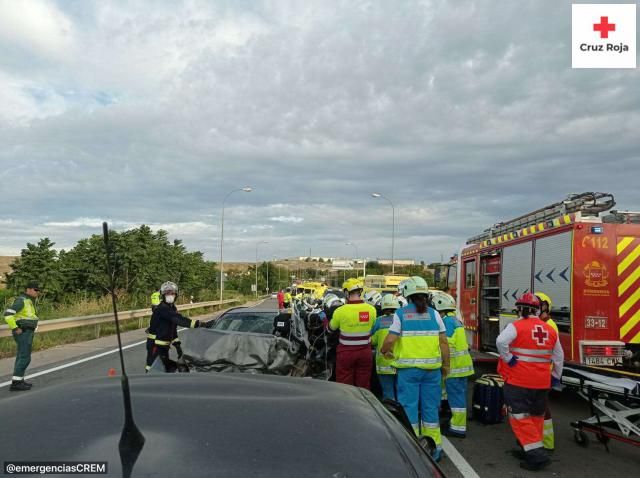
(70, 322)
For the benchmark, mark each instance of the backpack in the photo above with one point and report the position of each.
(488, 399)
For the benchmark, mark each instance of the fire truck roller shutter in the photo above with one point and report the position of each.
(552, 271)
(515, 277)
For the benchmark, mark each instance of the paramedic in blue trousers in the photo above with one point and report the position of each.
(418, 345)
(384, 368)
(461, 363)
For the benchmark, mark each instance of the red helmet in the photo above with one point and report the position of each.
(528, 300)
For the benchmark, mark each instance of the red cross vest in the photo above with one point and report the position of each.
(533, 346)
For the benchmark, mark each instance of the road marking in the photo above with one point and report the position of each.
(458, 460)
(76, 362)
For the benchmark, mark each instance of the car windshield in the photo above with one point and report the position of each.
(256, 322)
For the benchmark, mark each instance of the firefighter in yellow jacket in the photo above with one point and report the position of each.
(461, 363)
(354, 320)
(548, 438)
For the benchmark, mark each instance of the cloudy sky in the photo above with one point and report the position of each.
(463, 113)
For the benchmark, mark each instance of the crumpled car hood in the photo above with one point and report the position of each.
(207, 350)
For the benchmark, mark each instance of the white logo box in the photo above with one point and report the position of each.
(589, 49)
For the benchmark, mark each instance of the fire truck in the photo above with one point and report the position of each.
(580, 252)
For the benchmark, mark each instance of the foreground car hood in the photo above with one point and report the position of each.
(215, 425)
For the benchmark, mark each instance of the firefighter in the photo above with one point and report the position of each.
(287, 298)
(374, 298)
(155, 300)
(151, 341)
(545, 311)
(461, 363)
(527, 347)
(354, 320)
(22, 320)
(421, 356)
(166, 320)
(384, 369)
(150, 331)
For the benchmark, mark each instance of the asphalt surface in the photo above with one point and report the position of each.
(485, 448)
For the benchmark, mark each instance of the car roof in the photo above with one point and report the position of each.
(216, 425)
(249, 310)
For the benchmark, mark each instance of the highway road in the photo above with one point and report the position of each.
(483, 453)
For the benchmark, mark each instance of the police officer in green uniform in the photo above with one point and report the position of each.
(22, 319)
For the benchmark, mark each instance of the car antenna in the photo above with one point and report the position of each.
(131, 440)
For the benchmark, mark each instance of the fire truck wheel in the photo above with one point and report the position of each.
(581, 438)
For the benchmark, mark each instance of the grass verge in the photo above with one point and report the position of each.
(46, 340)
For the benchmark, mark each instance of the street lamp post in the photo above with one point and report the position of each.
(393, 228)
(257, 244)
(356, 248)
(246, 190)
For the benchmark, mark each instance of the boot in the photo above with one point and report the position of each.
(28, 384)
(534, 466)
(18, 386)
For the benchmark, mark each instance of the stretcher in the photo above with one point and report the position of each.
(614, 403)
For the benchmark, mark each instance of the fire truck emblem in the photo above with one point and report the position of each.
(596, 274)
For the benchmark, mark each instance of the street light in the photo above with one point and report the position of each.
(246, 189)
(393, 228)
(356, 248)
(257, 244)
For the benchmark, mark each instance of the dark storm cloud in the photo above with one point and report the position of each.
(463, 113)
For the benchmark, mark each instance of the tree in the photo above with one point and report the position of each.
(142, 261)
(37, 262)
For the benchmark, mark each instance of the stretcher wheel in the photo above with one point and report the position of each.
(581, 438)
(602, 438)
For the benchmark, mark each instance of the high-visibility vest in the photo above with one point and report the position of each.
(533, 346)
(461, 361)
(554, 326)
(155, 298)
(287, 298)
(25, 317)
(419, 342)
(355, 321)
(378, 334)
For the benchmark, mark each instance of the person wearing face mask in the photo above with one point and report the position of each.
(418, 348)
(166, 320)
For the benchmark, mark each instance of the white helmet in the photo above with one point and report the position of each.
(331, 300)
(442, 301)
(373, 297)
(389, 301)
(168, 287)
(402, 301)
(401, 285)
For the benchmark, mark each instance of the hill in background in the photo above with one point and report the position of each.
(4, 268)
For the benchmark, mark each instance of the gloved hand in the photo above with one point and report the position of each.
(513, 361)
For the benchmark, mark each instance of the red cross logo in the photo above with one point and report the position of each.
(604, 27)
(540, 335)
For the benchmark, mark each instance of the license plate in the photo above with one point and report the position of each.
(609, 361)
(596, 322)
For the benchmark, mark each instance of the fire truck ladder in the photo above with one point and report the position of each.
(588, 204)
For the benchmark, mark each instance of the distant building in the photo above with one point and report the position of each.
(316, 259)
(342, 265)
(398, 262)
